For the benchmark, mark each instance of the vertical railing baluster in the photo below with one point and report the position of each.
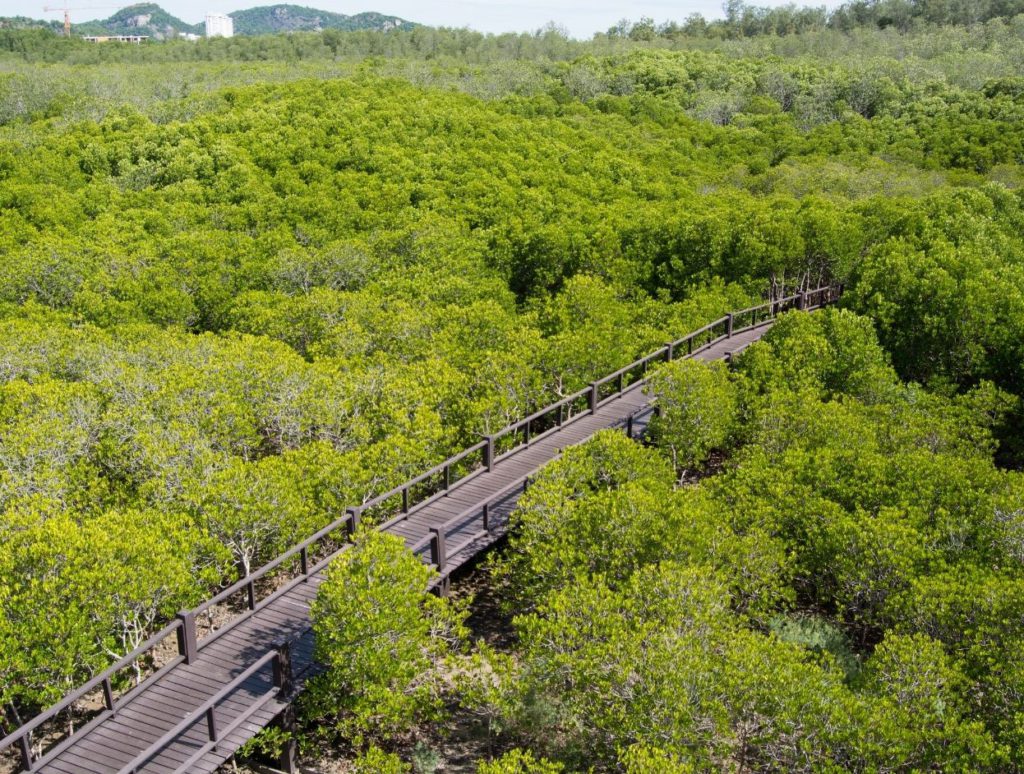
(354, 515)
(25, 745)
(108, 694)
(250, 594)
(592, 398)
(489, 453)
(188, 644)
(283, 668)
(405, 499)
(447, 477)
(438, 548)
(211, 724)
(304, 561)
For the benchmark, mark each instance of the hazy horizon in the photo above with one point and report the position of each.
(582, 21)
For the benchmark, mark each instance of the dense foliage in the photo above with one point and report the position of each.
(245, 284)
(845, 595)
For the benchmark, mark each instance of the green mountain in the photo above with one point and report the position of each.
(25, 23)
(150, 19)
(296, 18)
(142, 19)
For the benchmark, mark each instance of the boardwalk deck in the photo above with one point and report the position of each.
(116, 740)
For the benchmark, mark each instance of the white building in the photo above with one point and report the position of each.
(219, 25)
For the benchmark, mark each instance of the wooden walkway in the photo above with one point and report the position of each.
(233, 682)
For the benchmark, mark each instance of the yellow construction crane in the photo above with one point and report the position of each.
(67, 14)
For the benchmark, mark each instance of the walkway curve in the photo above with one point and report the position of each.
(220, 690)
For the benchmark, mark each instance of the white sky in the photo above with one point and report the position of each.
(580, 18)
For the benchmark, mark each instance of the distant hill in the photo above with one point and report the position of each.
(296, 18)
(142, 19)
(150, 19)
(25, 23)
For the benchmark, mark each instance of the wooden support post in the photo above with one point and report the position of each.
(250, 595)
(592, 398)
(211, 725)
(671, 351)
(728, 326)
(629, 426)
(689, 346)
(304, 559)
(487, 517)
(108, 694)
(526, 433)
(354, 515)
(188, 645)
(405, 499)
(288, 760)
(438, 548)
(801, 300)
(25, 745)
(283, 669)
(489, 454)
(447, 477)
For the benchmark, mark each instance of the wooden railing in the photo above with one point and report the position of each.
(315, 552)
(280, 686)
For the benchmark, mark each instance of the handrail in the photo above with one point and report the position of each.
(184, 624)
(281, 679)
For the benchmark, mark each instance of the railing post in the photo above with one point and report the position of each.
(108, 694)
(405, 499)
(250, 595)
(489, 454)
(592, 398)
(188, 645)
(526, 433)
(447, 477)
(671, 351)
(689, 345)
(728, 325)
(354, 515)
(283, 668)
(438, 548)
(304, 559)
(25, 744)
(801, 300)
(629, 426)
(561, 414)
(487, 517)
(211, 724)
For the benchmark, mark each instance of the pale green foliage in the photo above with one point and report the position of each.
(519, 762)
(640, 759)
(382, 637)
(377, 761)
(85, 594)
(829, 353)
(699, 406)
(600, 508)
